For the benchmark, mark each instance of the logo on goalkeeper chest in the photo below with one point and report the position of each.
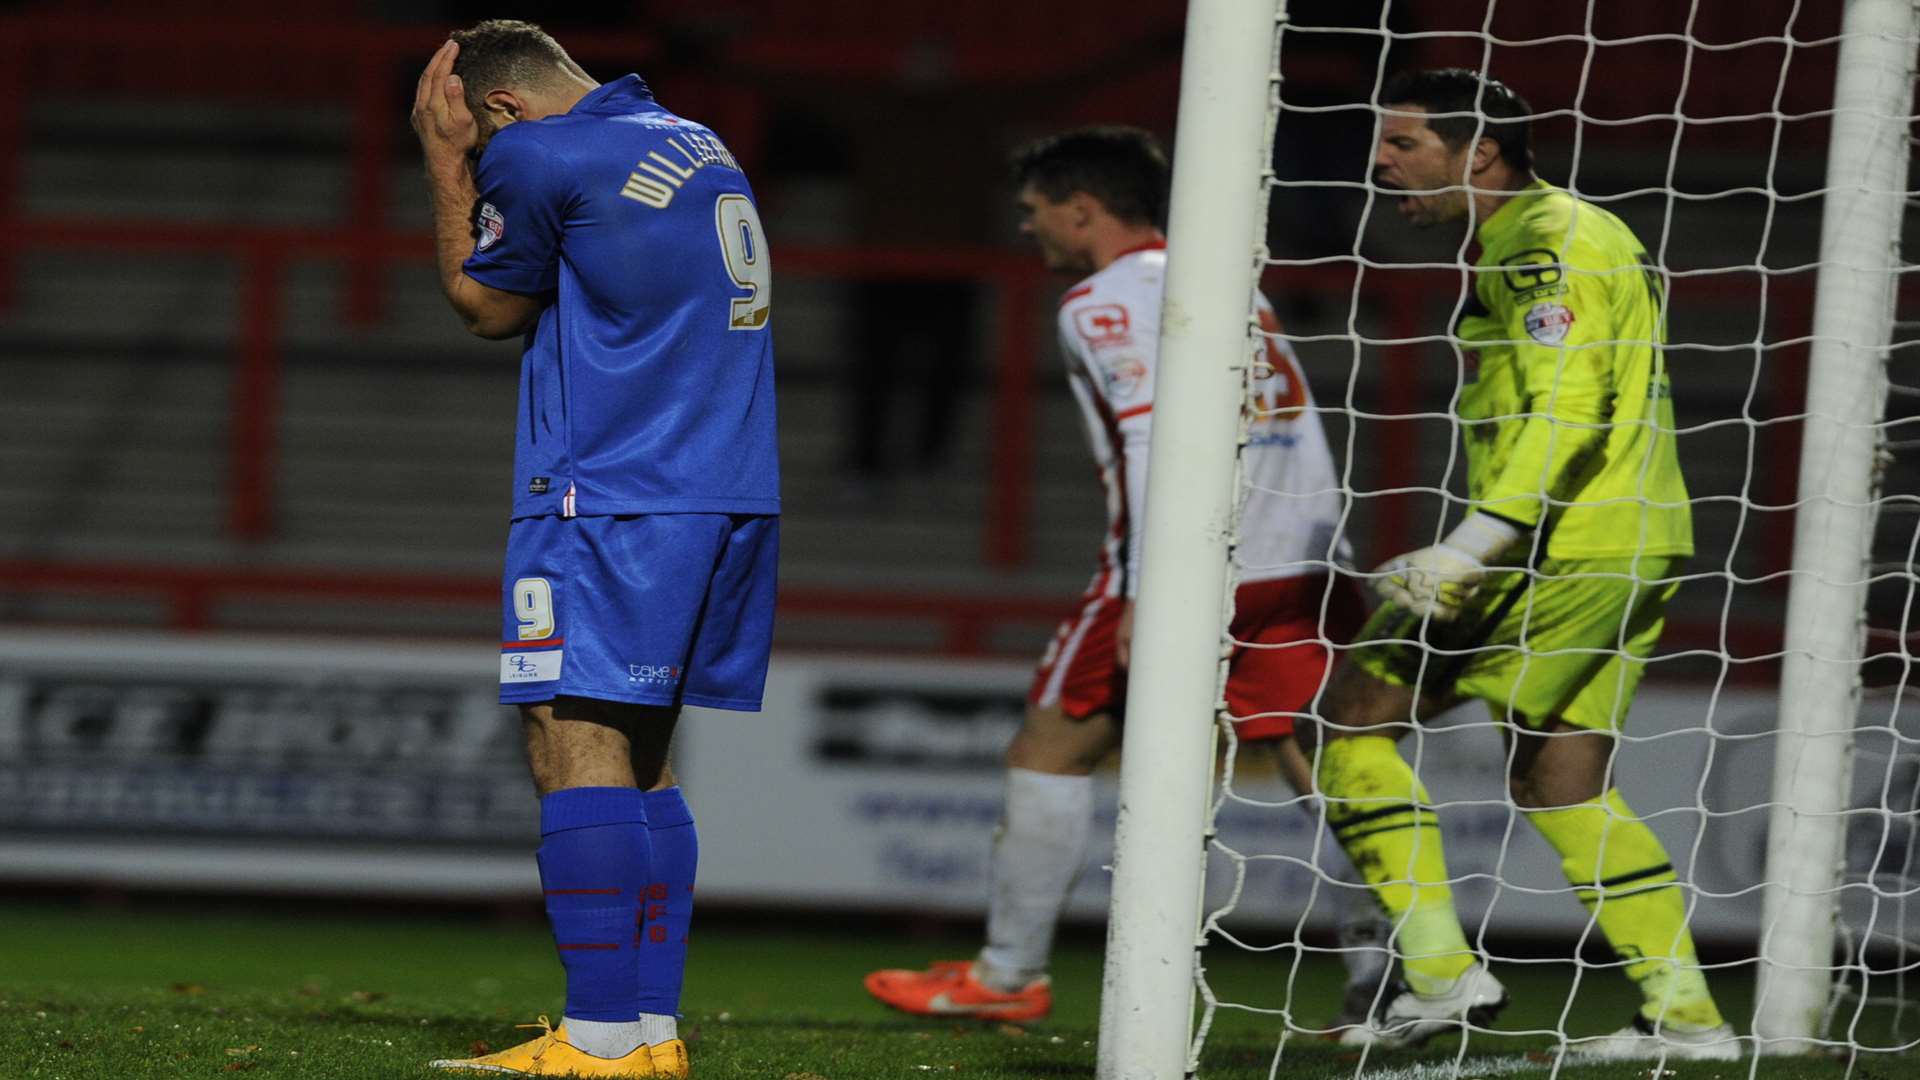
(1548, 324)
(493, 226)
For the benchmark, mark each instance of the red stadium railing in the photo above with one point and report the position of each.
(264, 253)
(1405, 295)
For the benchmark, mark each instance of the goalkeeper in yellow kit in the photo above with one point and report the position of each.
(1546, 599)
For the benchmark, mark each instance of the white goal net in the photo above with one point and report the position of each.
(1758, 152)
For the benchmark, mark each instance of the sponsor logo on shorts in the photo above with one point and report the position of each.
(493, 226)
(527, 667)
(1548, 323)
(653, 674)
(538, 485)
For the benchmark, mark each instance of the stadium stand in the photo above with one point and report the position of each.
(223, 351)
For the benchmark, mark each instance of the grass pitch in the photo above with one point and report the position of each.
(126, 994)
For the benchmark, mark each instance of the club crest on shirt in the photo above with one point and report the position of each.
(1549, 323)
(1103, 325)
(493, 226)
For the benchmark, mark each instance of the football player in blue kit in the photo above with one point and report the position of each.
(623, 244)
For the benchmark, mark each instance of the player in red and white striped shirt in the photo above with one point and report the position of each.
(1094, 201)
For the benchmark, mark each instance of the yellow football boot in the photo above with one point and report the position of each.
(550, 1054)
(670, 1060)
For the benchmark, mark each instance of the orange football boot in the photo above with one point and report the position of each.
(949, 989)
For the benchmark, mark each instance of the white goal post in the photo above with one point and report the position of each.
(1221, 182)
(1215, 219)
(1865, 195)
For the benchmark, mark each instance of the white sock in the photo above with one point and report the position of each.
(1037, 853)
(656, 1028)
(601, 1038)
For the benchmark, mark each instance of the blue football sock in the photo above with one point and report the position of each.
(594, 856)
(669, 903)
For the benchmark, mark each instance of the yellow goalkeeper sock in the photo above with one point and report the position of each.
(1379, 812)
(1623, 876)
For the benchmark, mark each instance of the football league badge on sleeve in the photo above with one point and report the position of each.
(493, 225)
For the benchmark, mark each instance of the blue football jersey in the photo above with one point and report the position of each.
(646, 386)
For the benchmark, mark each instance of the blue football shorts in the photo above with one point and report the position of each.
(654, 609)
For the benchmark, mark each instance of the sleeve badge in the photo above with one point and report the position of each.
(493, 226)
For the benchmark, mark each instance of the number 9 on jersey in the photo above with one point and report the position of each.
(743, 245)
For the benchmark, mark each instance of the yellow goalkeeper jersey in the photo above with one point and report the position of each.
(1567, 410)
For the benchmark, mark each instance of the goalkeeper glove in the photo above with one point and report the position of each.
(1438, 581)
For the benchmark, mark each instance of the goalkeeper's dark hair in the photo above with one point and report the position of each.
(1123, 167)
(505, 53)
(1463, 105)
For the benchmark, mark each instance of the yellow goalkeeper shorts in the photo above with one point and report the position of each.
(1569, 640)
